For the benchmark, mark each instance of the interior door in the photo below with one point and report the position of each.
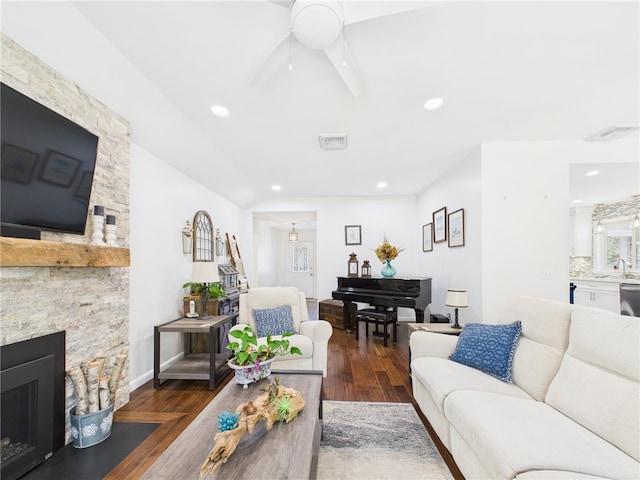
(300, 267)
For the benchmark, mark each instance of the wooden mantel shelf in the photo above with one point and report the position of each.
(18, 252)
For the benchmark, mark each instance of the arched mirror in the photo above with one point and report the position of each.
(203, 250)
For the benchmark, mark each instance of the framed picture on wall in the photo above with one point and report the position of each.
(440, 225)
(456, 228)
(427, 237)
(352, 235)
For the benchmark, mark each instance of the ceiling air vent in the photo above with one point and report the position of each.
(333, 141)
(613, 133)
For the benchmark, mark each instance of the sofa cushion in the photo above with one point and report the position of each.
(267, 297)
(544, 339)
(511, 436)
(598, 382)
(273, 321)
(489, 348)
(440, 377)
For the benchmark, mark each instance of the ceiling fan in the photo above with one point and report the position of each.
(320, 25)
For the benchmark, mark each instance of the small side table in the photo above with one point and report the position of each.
(210, 366)
(442, 328)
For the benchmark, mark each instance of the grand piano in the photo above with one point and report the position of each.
(383, 292)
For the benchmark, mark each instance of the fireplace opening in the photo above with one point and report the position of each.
(31, 403)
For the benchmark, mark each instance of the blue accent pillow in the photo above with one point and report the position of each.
(273, 321)
(489, 348)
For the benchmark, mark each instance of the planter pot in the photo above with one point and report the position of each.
(247, 374)
(92, 428)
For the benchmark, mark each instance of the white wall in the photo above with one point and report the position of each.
(525, 215)
(393, 216)
(459, 267)
(162, 200)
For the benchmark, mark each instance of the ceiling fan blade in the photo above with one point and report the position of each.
(282, 3)
(340, 56)
(274, 61)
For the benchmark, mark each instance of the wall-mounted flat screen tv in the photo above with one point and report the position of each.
(47, 165)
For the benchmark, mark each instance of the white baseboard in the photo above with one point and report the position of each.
(144, 378)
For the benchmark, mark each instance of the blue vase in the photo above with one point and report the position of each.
(388, 270)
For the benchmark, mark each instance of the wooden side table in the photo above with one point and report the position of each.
(210, 366)
(444, 328)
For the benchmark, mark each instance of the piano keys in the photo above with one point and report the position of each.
(383, 292)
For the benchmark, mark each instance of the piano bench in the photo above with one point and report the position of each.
(377, 317)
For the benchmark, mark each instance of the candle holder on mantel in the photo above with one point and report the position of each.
(97, 222)
(110, 231)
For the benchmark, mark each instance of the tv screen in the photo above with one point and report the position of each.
(47, 165)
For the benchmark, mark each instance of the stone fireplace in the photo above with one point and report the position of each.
(32, 381)
(90, 303)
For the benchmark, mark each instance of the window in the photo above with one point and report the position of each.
(617, 240)
(300, 259)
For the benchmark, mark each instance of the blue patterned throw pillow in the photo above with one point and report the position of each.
(273, 321)
(488, 348)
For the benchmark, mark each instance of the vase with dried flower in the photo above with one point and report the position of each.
(385, 253)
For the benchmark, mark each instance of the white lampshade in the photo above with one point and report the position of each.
(205, 272)
(456, 298)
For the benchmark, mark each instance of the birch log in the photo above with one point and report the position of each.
(116, 371)
(93, 381)
(80, 384)
(103, 392)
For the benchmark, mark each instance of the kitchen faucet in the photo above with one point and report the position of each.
(624, 267)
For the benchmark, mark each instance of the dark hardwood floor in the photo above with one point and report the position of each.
(361, 370)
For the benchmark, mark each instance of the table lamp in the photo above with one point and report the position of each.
(205, 273)
(458, 299)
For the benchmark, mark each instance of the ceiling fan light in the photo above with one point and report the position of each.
(316, 24)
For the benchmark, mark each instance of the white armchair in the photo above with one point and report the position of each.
(311, 336)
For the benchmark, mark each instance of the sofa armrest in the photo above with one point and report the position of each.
(319, 331)
(429, 344)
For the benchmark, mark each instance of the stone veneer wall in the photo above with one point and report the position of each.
(90, 304)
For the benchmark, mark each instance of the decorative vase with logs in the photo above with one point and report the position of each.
(92, 417)
(252, 359)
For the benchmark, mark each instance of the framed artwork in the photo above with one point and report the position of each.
(440, 225)
(59, 168)
(352, 235)
(427, 237)
(84, 187)
(456, 228)
(17, 163)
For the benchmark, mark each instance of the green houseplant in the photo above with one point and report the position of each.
(252, 360)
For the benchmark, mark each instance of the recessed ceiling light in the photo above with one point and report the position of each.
(433, 103)
(277, 188)
(382, 185)
(220, 111)
(592, 173)
(577, 201)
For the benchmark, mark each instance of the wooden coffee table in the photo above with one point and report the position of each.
(286, 451)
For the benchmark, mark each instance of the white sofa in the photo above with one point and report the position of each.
(571, 410)
(311, 336)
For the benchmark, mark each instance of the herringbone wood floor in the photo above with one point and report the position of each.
(361, 370)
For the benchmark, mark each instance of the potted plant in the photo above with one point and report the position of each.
(252, 361)
(195, 292)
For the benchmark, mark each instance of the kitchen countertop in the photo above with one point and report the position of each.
(605, 280)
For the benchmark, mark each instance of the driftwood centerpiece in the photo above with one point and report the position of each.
(277, 404)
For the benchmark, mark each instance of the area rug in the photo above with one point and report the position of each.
(368, 441)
